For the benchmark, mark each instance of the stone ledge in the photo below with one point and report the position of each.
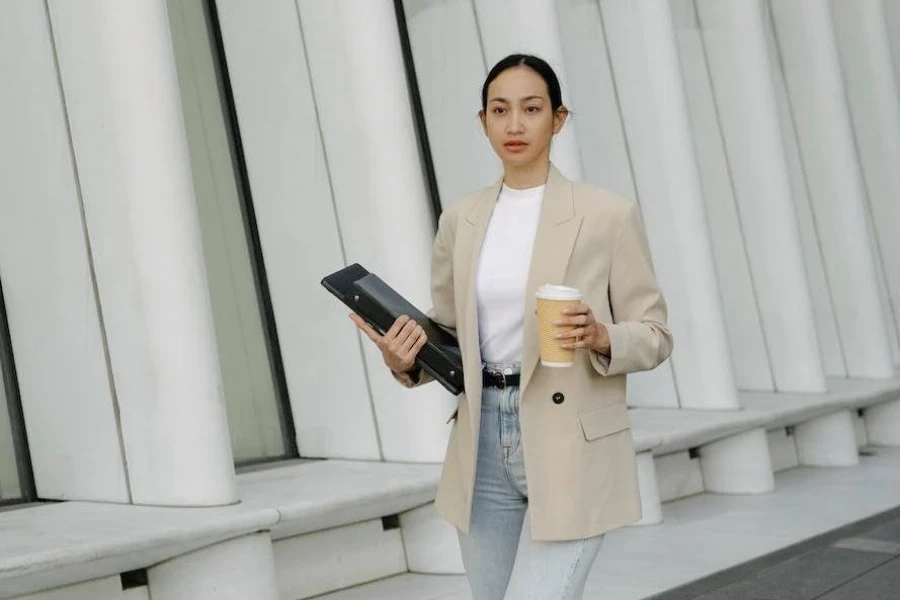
(59, 544)
(69, 542)
(324, 494)
(681, 429)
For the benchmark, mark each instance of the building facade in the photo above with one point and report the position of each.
(178, 175)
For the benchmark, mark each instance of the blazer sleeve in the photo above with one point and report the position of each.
(443, 312)
(639, 336)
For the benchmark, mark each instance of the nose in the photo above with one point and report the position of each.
(515, 123)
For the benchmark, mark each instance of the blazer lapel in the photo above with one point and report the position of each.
(469, 241)
(557, 231)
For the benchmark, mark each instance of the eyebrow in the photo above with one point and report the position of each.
(526, 99)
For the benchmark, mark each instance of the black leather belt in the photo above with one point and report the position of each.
(498, 380)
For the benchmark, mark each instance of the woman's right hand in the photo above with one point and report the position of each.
(400, 345)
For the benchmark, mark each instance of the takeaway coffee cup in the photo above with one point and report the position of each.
(551, 300)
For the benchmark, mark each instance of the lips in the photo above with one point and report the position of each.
(515, 145)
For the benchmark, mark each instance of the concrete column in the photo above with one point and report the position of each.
(808, 51)
(739, 464)
(327, 386)
(232, 570)
(450, 90)
(121, 92)
(874, 99)
(883, 423)
(741, 72)
(431, 543)
(380, 198)
(645, 62)
(54, 318)
(651, 505)
(530, 27)
(827, 441)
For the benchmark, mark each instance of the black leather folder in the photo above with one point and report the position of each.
(380, 305)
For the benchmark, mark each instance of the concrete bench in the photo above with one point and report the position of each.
(737, 452)
(379, 517)
(317, 512)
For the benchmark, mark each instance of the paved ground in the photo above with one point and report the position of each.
(829, 534)
(857, 562)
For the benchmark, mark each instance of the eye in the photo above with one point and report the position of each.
(532, 109)
(498, 110)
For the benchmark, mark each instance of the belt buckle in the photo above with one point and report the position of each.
(500, 380)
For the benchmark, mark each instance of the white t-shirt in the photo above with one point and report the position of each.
(503, 273)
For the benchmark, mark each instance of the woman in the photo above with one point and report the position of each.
(540, 462)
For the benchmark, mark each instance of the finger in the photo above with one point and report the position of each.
(572, 333)
(408, 329)
(578, 309)
(412, 339)
(574, 345)
(401, 342)
(577, 320)
(365, 327)
(398, 325)
(414, 351)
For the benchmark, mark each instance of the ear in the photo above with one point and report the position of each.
(559, 118)
(482, 116)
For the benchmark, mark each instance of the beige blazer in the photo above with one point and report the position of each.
(579, 456)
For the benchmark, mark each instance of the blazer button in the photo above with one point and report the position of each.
(558, 398)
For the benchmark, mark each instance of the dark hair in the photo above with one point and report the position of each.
(538, 65)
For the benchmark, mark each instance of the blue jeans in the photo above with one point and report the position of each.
(502, 561)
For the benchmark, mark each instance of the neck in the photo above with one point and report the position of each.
(520, 177)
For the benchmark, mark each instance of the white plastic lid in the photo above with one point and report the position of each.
(548, 291)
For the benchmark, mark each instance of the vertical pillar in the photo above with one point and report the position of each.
(530, 27)
(827, 441)
(746, 336)
(874, 100)
(809, 54)
(431, 544)
(280, 135)
(883, 423)
(54, 320)
(745, 97)
(384, 215)
(647, 71)
(121, 92)
(231, 570)
(739, 464)
(651, 504)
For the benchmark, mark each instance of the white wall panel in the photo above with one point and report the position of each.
(248, 381)
(382, 206)
(592, 91)
(53, 318)
(604, 147)
(117, 68)
(648, 79)
(450, 71)
(750, 357)
(823, 308)
(808, 50)
(874, 101)
(299, 234)
(530, 27)
(741, 73)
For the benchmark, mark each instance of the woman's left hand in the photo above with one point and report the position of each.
(586, 331)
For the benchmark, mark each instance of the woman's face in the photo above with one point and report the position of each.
(519, 120)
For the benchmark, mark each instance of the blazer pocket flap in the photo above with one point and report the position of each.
(605, 421)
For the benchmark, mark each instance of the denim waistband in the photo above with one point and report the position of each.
(505, 368)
